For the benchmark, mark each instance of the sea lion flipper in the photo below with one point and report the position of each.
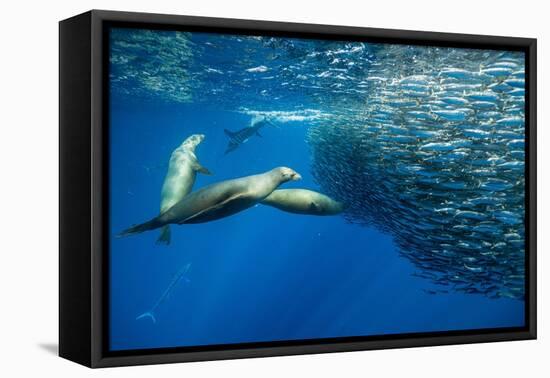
(313, 207)
(201, 213)
(205, 212)
(199, 168)
(165, 235)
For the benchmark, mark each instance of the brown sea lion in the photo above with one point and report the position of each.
(219, 200)
(180, 178)
(303, 201)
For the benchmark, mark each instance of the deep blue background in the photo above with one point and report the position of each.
(261, 275)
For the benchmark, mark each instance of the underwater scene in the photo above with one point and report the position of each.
(278, 189)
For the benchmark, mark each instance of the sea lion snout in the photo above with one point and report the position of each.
(296, 176)
(288, 174)
(194, 140)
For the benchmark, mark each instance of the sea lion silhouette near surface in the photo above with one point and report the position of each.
(180, 178)
(219, 200)
(303, 201)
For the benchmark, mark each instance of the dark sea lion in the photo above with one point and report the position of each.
(303, 201)
(219, 200)
(180, 178)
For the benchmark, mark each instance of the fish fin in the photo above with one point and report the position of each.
(258, 133)
(199, 168)
(165, 235)
(229, 133)
(137, 229)
(148, 314)
(230, 148)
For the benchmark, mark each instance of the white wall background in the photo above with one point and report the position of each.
(29, 174)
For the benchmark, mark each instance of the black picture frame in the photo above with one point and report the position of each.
(83, 195)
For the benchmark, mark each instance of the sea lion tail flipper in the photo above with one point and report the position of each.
(165, 235)
(137, 229)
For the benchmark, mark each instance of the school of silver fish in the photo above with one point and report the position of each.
(437, 160)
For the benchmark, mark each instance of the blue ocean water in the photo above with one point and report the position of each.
(262, 274)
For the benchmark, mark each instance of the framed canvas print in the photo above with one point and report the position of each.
(234, 188)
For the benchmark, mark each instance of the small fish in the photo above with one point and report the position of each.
(416, 79)
(457, 73)
(483, 105)
(474, 269)
(470, 215)
(520, 165)
(497, 71)
(420, 115)
(476, 133)
(488, 115)
(516, 83)
(517, 93)
(257, 69)
(495, 185)
(504, 64)
(516, 143)
(455, 100)
(166, 294)
(500, 87)
(451, 115)
(511, 121)
(519, 74)
(443, 146)
(483, 96)
(508, 217)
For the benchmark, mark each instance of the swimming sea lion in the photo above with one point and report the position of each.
(219, 200)
(303, 201)
(180, 178)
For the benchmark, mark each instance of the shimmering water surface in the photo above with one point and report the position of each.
(424, 146)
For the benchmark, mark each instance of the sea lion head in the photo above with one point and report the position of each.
(287, 174)
(193, 141)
